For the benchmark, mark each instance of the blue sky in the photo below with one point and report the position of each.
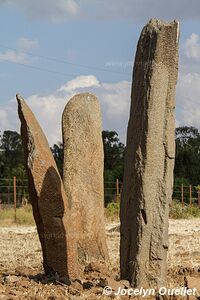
(50, 50)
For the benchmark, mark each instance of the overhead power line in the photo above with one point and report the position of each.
(48, 70)
(63, 61)
(44, 69)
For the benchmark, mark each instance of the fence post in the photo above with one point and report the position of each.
(190, 195)
(117, 190)
(182, 195)
(8, 194)
(198, 198)
(15, 196)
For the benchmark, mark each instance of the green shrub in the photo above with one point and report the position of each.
(176, 211)
(186, 212)
(112, 210)
(7, 216)
(24, 216)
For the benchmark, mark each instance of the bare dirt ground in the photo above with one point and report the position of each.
(21, 275)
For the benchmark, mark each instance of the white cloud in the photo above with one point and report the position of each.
(79, 82)
(8, 117)
(48, 110)
(20, 55)
(27, 44)
(52, 10)
(142, 10)
(192, 47)
(114, 99)
(3, 118)
(188, 87)
(188, 99)
(134, 10)
(14, 57)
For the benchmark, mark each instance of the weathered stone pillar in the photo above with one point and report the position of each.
(48, 199)
(149, 158)
(83, 174)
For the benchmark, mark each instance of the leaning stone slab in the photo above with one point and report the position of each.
(48, 199)
(149, 158)
(83, 174)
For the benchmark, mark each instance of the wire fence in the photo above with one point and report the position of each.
(14, 193)
(187, 194)
(112, 191)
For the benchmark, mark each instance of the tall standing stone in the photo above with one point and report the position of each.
(149, 158)
(83, 174)
(48, 199)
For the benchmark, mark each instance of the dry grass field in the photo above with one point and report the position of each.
(21, 274)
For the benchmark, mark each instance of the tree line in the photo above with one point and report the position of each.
(187, 163)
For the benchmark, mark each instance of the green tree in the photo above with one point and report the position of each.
(113, 163)
(58, 155)
(12, 155)
(113, 152)
(187, 162)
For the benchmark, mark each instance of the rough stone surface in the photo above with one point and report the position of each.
(83, 174)
(48, 199)
(149, 158)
